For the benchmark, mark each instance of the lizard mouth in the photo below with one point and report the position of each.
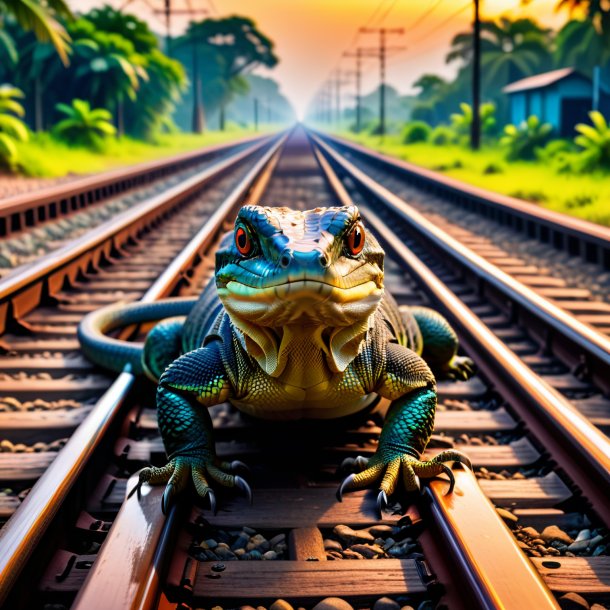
(300, 289)
(301, 301)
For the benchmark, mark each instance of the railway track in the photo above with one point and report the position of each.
(538, 461)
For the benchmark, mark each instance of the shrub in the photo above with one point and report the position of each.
(84, 125)
(595, 142)
(493, 168)
(417, 131)
(522, 141)
(442, 135)
(12, 128)
(461, 123)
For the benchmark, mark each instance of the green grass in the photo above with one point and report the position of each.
(586, 196)
(44, 156)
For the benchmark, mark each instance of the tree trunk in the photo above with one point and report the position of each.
(120, 125)
(38, 107)
(221, 119)
(198, 123)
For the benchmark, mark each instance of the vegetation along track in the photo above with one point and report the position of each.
(427, 551)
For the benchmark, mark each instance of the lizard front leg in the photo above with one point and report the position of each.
(190, 385)
(408, 381)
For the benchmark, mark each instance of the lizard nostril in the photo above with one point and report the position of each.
(285, 260)
(323, 259)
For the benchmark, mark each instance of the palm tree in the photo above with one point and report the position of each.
(41, 19)
(83, 124)
(509, 50)
(597, 11)
(12, 129)
(109, 70)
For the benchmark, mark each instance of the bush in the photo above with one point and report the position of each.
(442, 135)
(461, 123)
(417, 131)
(84, 125)
(522, 141)
(595, 142)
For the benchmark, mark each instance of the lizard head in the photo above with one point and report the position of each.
(319, 269)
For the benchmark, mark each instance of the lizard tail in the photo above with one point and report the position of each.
(114, 354)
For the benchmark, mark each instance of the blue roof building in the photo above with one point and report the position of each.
(562, 98)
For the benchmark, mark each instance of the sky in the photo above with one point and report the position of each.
(311, 36)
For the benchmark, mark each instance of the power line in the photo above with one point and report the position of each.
(424, 16)
(213, 7)
(438, 26)
(388, 11)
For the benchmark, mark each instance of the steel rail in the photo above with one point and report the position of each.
(21, 534)
(497, 206)
(594, 344)
(579, 447)
(78, 193)
(22, 289)
(485, 551)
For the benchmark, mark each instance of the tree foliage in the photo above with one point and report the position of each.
(222, 51)
(115, 63)
(12, 128)
(42, 19)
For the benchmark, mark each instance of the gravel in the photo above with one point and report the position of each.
(375, 542)
(212, 544)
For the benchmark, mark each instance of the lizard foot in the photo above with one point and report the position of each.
(406, 465)
(178, 471)
(459, 367)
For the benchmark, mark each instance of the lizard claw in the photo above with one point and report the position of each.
(243, 486)
(239, 466)
(361, 462)
(382, 502)
(166, 500)
(212, 497)
(347, 482)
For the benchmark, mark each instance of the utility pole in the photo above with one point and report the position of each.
(475, 128)
(382, 53)
(167, 11)
(255, 114)
(338, 82)
(358, 72)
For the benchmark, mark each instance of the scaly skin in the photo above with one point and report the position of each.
(298, 325)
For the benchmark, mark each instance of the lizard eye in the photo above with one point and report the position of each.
(355, 240)
(243, 241)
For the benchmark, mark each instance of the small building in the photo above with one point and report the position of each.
(562, 98)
